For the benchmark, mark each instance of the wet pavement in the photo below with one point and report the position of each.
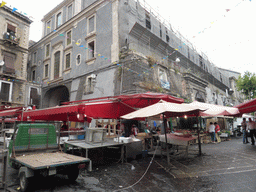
(227, 166)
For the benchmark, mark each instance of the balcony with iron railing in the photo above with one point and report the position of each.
(11, 38)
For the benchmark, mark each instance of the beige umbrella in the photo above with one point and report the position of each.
(169, 110)
(215, 110)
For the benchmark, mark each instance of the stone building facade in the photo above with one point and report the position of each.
(96, 48)
(14, 38)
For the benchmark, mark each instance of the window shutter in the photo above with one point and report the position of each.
(9, 60)
(11, 27)
(34, 97)
(5, 91)
(56, 65)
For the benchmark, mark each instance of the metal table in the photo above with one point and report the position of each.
(177, 140)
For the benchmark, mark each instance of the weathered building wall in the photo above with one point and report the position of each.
(75, 78)
(161, 43)
(129, 35)
(14, 30)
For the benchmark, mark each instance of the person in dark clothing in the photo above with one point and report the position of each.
(64, 127)
(245, 130)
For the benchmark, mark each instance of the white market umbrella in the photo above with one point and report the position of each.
(166, 108)
(247, 116)
(215, 110)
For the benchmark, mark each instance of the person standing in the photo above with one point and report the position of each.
(212, 131)
(135, 130)
(251, 127)
(217, 129)
(245, 130)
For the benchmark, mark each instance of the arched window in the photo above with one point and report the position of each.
(56, 65)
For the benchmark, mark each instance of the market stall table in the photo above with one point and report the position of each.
(177, 140)
(136, 146)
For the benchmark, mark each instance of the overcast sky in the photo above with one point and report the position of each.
(223, 29)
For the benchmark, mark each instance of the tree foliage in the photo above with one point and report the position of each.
(247, 84)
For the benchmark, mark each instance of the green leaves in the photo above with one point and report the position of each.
(247, 84)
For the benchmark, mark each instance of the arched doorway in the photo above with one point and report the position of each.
(56, 96)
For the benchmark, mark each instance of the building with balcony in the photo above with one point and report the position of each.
(96, 48)
(14, 38)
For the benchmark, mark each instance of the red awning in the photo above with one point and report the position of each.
(11, 112)
(58, 113)
(247, 107)
(10, 120)
(108, 109)
(145, 99)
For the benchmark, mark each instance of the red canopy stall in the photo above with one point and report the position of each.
(11, 112)
(58, 113)
(109, 109)
(139, 100)
(247, 107)
(145, 99)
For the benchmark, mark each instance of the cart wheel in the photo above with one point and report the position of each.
(24, 181)
(73, 173)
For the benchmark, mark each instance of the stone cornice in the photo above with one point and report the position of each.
(192, 78)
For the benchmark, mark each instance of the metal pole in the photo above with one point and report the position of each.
(167, 149)
(198, 135)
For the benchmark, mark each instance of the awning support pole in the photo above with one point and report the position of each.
(167, 148)
(198, 135)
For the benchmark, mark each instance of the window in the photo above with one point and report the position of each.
(34, 58)
(56, 65)
(167, 36)
(89, 85)
(33, 77)
(163, 79)
(47, 50)
(11, 32)
(58, 20)
(46, 70)
(91, 26)
(11, 29)
(70, 12)
(67, 61)
(48, 27)
(162, 75)
(200, 61)
(69, 40)
(34, 96)
(37, 131)
(160, 26)
(91, 50)
(9, 60)
(148, 22)
(5, 91)
(78, 59)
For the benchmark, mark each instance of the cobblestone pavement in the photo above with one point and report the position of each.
(227, 166)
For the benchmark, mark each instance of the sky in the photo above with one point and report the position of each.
(224, 30)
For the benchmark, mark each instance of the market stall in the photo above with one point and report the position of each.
(247, 107)
(166, 109)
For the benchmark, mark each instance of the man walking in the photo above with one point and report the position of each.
(245, 130)
(251, 127)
